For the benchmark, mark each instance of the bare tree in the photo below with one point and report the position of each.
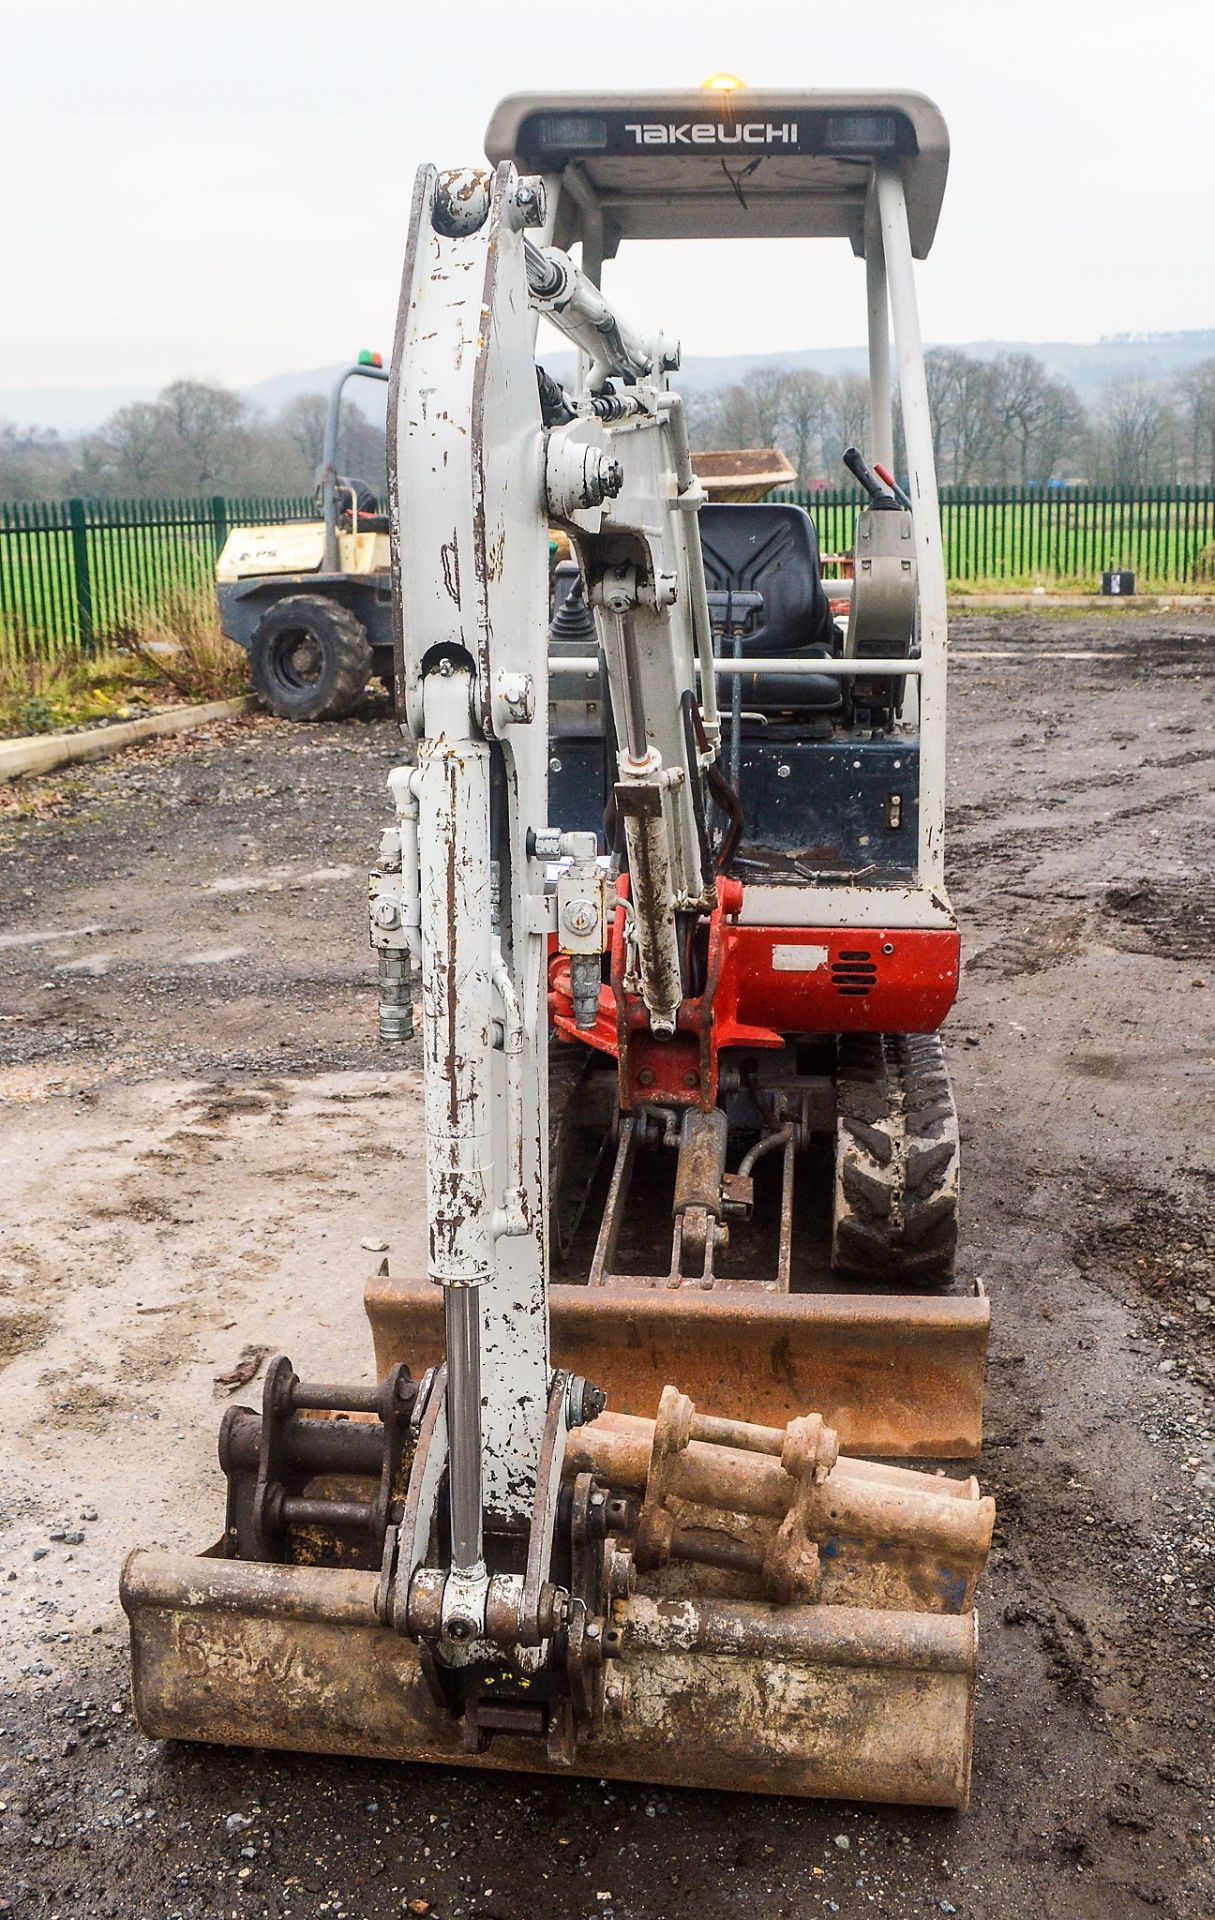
(765, 388)
(702, 409)
(1041, 417)
(1195, 391)
(804, 418)
(1136, 440)
(1001, 420)
(960, 401)
(206, 430)
(846, 420)
(303, 419)
(730, 420)
(125, 456)
(748, 413)
(34, 463)
(363, 449)
(192, 439)
(1060, 433)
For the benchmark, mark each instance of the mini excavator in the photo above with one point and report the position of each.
(631, 1495)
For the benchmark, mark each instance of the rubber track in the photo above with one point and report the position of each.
(896, 1171)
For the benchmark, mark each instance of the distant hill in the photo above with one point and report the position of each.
(1087, 365)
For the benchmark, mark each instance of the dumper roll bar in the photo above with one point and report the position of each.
(329, 457)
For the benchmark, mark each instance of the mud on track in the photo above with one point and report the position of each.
(198, 1132)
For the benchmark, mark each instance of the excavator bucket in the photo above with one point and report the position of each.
(896, 1374)
(777, 1617)
(866, 1706)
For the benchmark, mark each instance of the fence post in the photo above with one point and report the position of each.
(80, 569)
(219, 513)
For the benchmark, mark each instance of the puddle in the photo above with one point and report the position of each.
(52, 936)
(276, 878)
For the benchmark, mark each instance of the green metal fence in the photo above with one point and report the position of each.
(76, 573)
(1056, 536)
(79, 573)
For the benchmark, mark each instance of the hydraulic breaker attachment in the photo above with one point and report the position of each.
(735, 1605)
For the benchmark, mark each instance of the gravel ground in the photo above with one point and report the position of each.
(199, 1133)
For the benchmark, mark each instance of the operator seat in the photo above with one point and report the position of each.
(772, 549)
(371, 519)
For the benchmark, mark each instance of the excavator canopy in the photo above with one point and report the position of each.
(738, 165)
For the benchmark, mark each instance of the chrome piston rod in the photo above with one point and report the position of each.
(462, 1329)
(575, 306)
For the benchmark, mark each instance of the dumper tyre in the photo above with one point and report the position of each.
(310, 658)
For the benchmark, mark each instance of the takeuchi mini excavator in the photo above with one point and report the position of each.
(630, 1497)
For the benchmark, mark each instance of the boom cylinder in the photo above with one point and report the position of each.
(578, 309)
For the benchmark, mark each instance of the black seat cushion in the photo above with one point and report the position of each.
(771, 549)
(368, 523)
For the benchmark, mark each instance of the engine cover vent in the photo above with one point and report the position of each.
(854, 972)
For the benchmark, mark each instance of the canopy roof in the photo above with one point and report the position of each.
(744, 164)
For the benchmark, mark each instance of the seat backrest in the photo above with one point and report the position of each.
(771, 549)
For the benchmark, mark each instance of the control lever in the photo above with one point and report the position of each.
(884, 473)
(879, 495)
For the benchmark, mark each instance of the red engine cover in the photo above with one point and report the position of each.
(764, 984)
(833, 980)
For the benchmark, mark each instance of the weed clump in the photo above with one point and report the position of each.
(176, 651)
(183, 642)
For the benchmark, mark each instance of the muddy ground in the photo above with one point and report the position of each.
(199, 1133)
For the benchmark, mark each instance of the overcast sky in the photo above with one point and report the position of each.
(223, 190)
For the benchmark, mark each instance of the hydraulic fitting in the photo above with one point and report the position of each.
(394, 911)
(396, 996)
(582, 923)
(586, 977)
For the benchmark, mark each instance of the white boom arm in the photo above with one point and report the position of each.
(476, 479)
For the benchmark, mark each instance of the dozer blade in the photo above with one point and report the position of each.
(820, 1701)
(897, 1375)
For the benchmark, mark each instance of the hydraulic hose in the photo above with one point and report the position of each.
(691, 716)
(724, 794)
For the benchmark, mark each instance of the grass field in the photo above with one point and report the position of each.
(127, 576)
(172, 654)
(1061, 537)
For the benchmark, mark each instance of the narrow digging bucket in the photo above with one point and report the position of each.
(820, 1701)
(897, 1375)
